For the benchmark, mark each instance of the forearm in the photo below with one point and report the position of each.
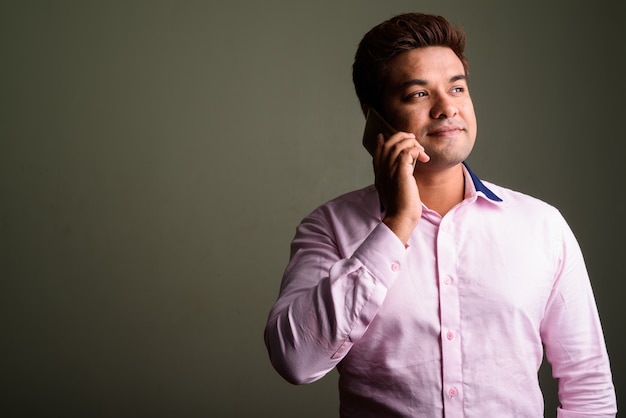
(575, 344)
(320, 314)
(310, 335)
(581, 365)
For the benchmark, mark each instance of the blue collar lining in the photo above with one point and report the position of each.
(480, 187)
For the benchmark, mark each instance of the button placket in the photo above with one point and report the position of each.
(450, 317)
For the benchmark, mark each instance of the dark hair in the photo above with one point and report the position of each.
(397, 35)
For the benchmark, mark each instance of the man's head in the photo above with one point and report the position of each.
(399, 34)
(411, 69)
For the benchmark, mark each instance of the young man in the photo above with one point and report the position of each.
(432, 292)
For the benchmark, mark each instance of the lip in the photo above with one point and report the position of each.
(446, 130)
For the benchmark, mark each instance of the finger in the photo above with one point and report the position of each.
(397, 143)
(398, 138)
(423, 157)
(418, 153)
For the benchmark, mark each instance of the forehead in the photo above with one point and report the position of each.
(430, 64)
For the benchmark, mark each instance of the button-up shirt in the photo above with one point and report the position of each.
(453, 324)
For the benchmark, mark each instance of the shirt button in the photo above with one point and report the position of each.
(447, 280)
(453, 392)
(450, 335)
(395, 266)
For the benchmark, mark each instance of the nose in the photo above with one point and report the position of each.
(443, 107)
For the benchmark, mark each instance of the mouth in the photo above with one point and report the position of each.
(445, 131)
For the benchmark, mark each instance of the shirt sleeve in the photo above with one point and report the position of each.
(574, 341)
(327, 302)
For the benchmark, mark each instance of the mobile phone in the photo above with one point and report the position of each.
(374, 125)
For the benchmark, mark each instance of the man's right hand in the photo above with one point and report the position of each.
(394, 163)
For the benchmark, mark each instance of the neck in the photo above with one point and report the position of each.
(441, 190)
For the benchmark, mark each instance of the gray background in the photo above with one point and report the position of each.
(156, 156)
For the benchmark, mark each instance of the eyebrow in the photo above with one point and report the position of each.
(420, 82)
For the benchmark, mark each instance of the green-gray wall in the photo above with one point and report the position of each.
(156, 156)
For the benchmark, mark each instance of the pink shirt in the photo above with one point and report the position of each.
(454, 324)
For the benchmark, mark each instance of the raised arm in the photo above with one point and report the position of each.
(328, 298)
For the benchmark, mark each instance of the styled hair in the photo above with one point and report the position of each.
(399, 34)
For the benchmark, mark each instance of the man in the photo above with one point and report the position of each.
(433, 292)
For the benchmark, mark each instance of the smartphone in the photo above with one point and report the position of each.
(374, 125)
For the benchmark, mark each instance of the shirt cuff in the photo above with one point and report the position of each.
(383, 254)
(561, 413)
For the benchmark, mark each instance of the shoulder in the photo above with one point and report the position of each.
(352, 213)
(524, 208)
(361, 202)
(516, 198)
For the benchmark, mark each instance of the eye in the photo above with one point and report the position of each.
(417, 95)
(458, 90)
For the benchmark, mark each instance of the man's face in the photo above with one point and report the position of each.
(427, 94)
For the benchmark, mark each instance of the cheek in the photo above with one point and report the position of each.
(470, 117)
(414, 121)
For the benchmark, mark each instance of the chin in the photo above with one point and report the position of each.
(446, 159)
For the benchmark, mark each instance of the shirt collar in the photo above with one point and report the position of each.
(480, 186)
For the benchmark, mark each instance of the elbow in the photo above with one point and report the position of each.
(292, 365)
(295, 373)
(292, 374)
